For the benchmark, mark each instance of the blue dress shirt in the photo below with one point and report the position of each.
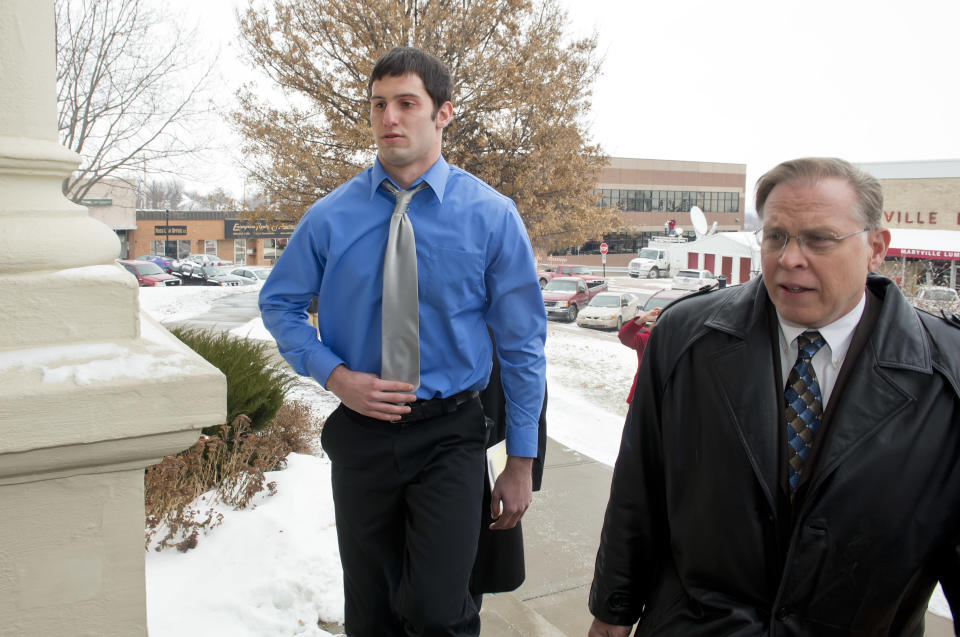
(475, 268)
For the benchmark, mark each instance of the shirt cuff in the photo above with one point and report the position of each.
(522, 440)
(321, 363)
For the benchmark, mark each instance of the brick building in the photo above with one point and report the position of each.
(651, 193)
(179, 233)
(921, 206)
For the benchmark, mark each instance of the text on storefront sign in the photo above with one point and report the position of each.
(176, 231)
(234, 229)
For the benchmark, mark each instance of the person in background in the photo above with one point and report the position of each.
(407, 442)
(791, 465)
(634, 334)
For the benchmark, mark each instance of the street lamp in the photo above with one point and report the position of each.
(166, 243)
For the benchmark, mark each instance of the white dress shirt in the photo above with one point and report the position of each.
(828, 361)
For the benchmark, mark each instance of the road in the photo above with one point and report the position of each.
(226, 313)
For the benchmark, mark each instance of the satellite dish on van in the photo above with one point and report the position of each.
(699, 221)
(713, 229)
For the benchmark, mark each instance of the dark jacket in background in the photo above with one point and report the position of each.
(499, 564)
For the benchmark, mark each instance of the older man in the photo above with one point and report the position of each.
(811, 484)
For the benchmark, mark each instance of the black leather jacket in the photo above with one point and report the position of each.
(700, 537)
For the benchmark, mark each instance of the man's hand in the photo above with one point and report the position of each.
(603, 629)
(512, 493)
(369, 395)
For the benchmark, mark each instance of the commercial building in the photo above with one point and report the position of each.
(113, 202)
(921, 206)
(654, 194)
(178, 233)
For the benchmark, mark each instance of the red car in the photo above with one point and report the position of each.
(149, 274)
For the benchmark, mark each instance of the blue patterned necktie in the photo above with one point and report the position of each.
(804, 406)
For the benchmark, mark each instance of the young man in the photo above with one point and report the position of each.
(408, 453)
(812, 487)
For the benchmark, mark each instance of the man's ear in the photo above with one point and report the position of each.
(444, 115)
(879, 241)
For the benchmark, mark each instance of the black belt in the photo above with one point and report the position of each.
(423, 409)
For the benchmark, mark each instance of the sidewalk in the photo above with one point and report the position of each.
(561, 534)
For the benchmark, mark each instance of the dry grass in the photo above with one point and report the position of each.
(230, 464)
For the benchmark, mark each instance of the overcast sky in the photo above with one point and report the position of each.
(758, 82)
(755, 81)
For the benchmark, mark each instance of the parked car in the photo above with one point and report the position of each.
(148, 274)
(194, 274)
(167, 264)
(564, 296)
(934, 298)
(206, 259)
(694, 280)
(548, 272)
(609, 309)
(252, 274)
(663, 298)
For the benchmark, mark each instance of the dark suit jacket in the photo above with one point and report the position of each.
(700, 536)
(499, 564)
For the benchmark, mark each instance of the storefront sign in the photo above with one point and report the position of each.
(920, 218)
(912, 253)
(236, 229)
(173, 231)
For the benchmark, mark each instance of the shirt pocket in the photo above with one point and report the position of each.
(451, 280)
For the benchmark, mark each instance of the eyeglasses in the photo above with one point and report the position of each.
(814, 242)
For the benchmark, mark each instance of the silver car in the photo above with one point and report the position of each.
(609, 310)
(694, 280)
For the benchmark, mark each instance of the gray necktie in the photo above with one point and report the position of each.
(400, 318)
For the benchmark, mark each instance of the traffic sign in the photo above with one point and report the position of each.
(603, 248)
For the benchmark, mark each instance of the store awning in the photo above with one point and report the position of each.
(937, 245)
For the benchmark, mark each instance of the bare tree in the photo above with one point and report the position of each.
(216, 199)
(126, 89)
(158, 195)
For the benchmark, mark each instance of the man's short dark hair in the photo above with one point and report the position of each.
(404, 59)
(814, 169)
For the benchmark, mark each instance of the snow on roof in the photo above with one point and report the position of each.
(743, 243)
(925, 244)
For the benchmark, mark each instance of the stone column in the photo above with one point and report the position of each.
(91, 390)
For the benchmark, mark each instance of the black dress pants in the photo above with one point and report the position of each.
(407, 497)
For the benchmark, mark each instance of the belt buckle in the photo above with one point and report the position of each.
(416, 412)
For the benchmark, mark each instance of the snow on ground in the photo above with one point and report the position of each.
(273, 570)
(181, 302)
(588, 379)
(264, 572)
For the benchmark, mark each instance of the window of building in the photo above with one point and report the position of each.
(273, 248)
(667, 200)
(209, 246)
(240, 251)
(176, 248)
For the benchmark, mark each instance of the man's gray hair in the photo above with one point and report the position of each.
(814, 169)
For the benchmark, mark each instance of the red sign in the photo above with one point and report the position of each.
(603, 248)
(915, 253)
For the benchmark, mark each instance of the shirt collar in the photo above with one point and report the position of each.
(837, 334)
(436, 177)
